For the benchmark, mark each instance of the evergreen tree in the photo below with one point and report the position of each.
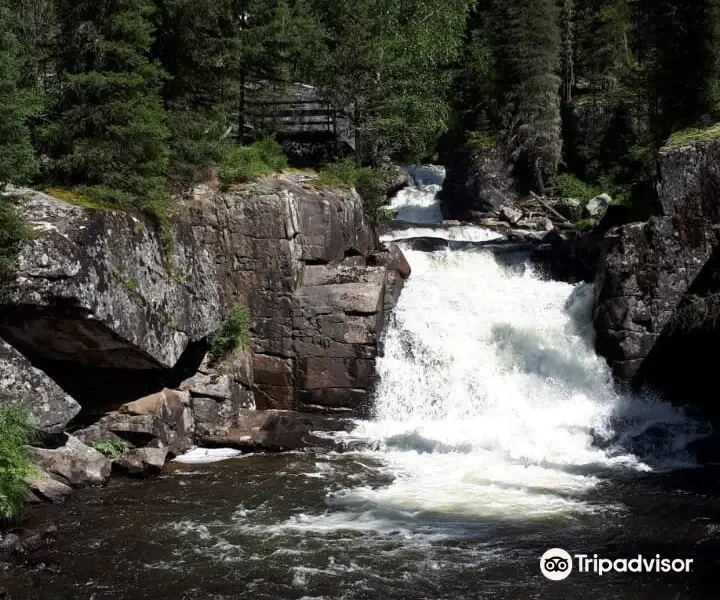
(679, 42)
(388, 64)
(279, 42)
(196, 44)
(567, 21)
(17, 162)
(109, 132)
(35, 26)
(527, 46)
(603, 29)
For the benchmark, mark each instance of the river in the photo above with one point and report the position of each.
(496, 435)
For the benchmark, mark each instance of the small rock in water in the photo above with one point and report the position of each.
(598, 204)
(511, 215)
(545, 224)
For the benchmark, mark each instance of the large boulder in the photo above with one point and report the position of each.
(141, 462)
(51, 409)
(101, 304)
(280, 431)
(94, 287)
(43, 488)
(74, 464)
(476, 181)
(143, 433)
(218, 394)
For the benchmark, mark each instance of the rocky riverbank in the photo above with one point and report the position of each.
(105, 327)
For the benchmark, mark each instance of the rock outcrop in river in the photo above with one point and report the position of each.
(656, 312)
(105, 329)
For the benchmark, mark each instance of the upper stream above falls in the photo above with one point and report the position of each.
(496, 435)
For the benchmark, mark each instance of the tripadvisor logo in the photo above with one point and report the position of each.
(556, 564)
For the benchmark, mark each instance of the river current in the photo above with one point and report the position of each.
(496, 435)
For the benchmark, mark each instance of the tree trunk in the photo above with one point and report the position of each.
(568, 51)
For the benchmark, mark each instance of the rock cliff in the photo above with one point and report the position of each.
(104, 331)
(476, 181)
(654, 274)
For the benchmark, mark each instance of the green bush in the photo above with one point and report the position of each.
(111, 449)
(12, 233)
(233, 333)
(568, 186)
(245, 163)
(15, 433)
(341, 175)
(371, 184)
(586, 224)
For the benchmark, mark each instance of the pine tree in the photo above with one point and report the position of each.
(527, 46)
(17, 162)
(567, 20)
(679, 44)
(603, 29)
(389, 65)
(110, 131)
(196, 44)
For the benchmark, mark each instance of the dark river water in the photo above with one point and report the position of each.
(253, 528)
(497, 435)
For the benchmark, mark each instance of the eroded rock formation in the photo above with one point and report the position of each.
(105, 330)
(307, 264)
(650, 271)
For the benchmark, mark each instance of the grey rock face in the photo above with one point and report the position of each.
(142, 462)
(51, 409)
(74, 464)
(44, 488)
(218, 394)
(646, 269)
(92, 289)
(93, 302)
(306, 263)
(476, 182)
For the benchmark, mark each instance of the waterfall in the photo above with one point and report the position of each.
(491, 399)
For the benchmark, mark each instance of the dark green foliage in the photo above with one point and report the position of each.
(109, 130)
(679, 43)
(474, 102)
(233, 333)
(12, 233)
(245, 163)
(17, 162)
(527, 47)
(15, 433)
(567, 185)
(196, 42)
(371, 184)
(110, 448)
(603, 54)
(388, 65)
(342, 174)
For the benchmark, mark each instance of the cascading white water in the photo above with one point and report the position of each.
(492, 401)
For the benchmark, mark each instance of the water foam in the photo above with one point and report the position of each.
(418, 204)
(492, 403)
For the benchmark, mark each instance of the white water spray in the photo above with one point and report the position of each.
(492, 401)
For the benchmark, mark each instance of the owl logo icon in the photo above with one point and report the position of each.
(556, 564)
